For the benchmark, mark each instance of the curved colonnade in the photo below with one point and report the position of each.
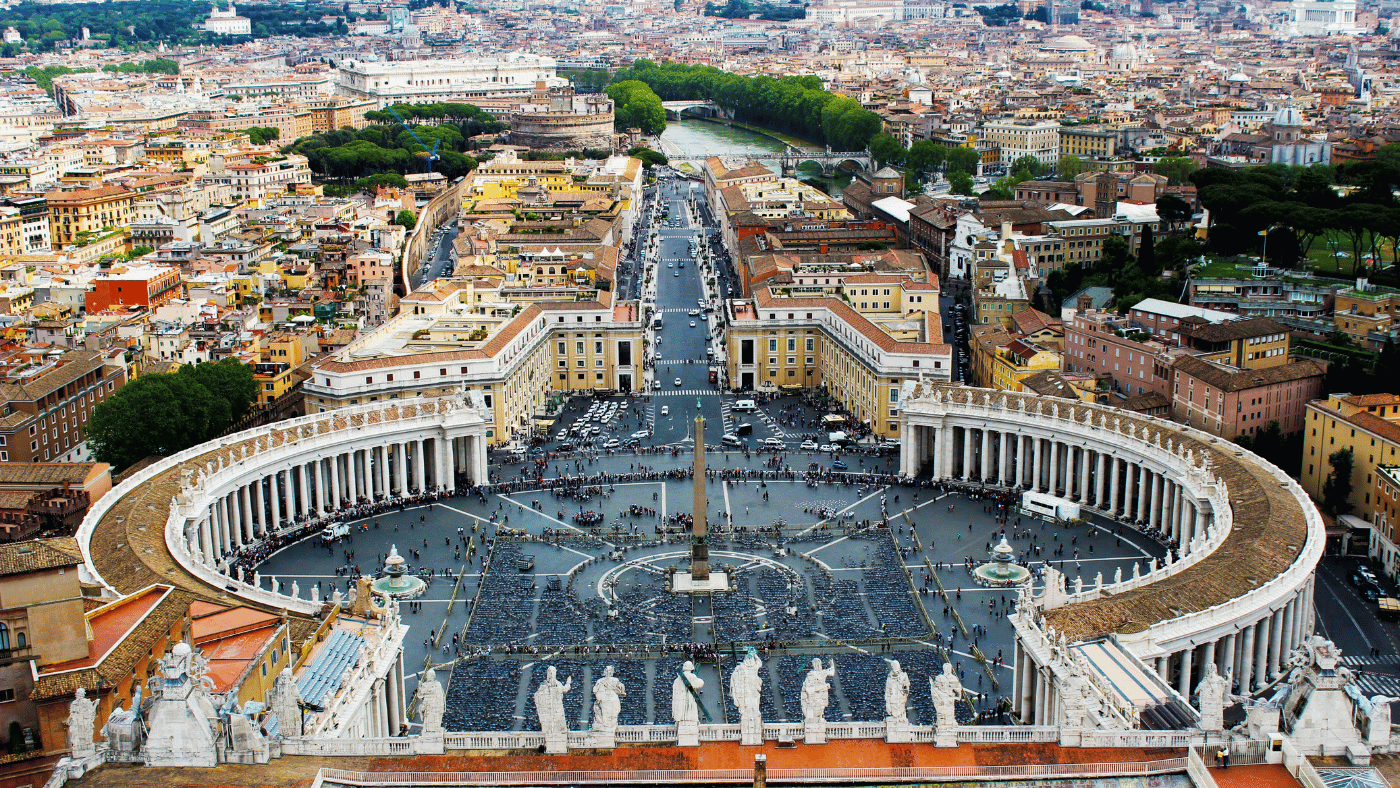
(1240, 595)
(237, 493)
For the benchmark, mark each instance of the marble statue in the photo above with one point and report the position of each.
(746, 687)
(431, 702)
(1210, 695)
(286, 702)
(685, 708)
(1075, 700)
(945, 690)
(896, 704)
(549, 704)
(816, 694)
(82, 718)
(607, 702)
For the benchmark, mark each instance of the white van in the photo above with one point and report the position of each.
(730, 440)
(745, 406)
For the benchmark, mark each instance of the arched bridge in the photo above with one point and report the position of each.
(696, 107)
(793, 158)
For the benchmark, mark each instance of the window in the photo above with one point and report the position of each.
(4, 636)
(7, 695)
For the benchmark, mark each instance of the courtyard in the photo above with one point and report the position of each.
(568, 563)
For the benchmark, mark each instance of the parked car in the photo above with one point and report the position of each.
(773, 442)
(809, 445)
(612, 443)
(839, 465)
(678, 381)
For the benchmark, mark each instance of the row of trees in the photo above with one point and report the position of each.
(470, 119)
(1297, 208)
(744, 9)
(926, 157)
(796, 105)
(347, 154)
(157, 65)
(163, 413)
(636, 105)
(123, 23)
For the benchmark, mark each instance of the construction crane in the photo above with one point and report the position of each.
(432, 152)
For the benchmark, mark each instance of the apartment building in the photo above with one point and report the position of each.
(1088, 142)
(1229, 402)
(75, 214)
(141, 286)
(45, 404)
(779, 342)
(1368, 425)
(1017, 138)
(444, 341)
(1367, 315)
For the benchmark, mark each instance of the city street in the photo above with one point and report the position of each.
(439, 263)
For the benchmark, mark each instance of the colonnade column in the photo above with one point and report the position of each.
(1144, 492)
(966, 471)
(1247, 659)
(1230, 671)
(1038, 470)
(259, 506)
(418, 466)
(985, 459)
(1261, 652)
(1085, 485)
(401, 466)
(1112, 507)
(1183, 684)
(246, 519)
(1053, 486)
(1004, 441)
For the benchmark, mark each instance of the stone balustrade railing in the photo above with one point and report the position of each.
(666, 734)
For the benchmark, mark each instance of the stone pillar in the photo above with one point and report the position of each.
(259, 507)
(1208, 656)
(247, 517)
(1038, 472)
(984, 461)
(393, 705)
(1101, 482)
(1162, 666)
(401, 467)
(1025, 677)
(1246, 656)
(1178, 524)
(1286, 639)
(1154, 512)
(319, 481)
(1113, 507)
(335, 482)
(1004, 459)
(206, 540)
(1261, 652)
(1275, 642)
(418, 480)
(1054, 482)
(383, 470)
(1183, 684)
(448, 463)
(1085, 485)
(966, 471)
(1230, 670)
(1143, 491)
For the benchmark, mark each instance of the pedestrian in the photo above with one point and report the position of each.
(1224, 756)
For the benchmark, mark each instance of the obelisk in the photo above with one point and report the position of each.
(699, 545)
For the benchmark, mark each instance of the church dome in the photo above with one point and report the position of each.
(1069, 43)
(1238, 76)
(1288, 115)
(1124, 51)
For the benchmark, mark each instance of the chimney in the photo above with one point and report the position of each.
(1082, 303)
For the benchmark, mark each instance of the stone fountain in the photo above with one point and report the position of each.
(1002, 571)
(396, 582)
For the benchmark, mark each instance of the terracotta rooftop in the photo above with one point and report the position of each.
(37, 555)
(1231, 379)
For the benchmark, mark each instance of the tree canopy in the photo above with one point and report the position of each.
(389, 147)
(164, 413)
(793, 104)
(636, 105)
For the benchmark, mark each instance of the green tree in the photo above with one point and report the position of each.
(960, 183)
(650, 158)
(1030, 164)
(1173, 211)
(406, 219)
(1336, 489)
(160, 414)
(964, 160)
(885, 149)
(636, 105)
(926, 155)
(1068, 167)
(1177, 169)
